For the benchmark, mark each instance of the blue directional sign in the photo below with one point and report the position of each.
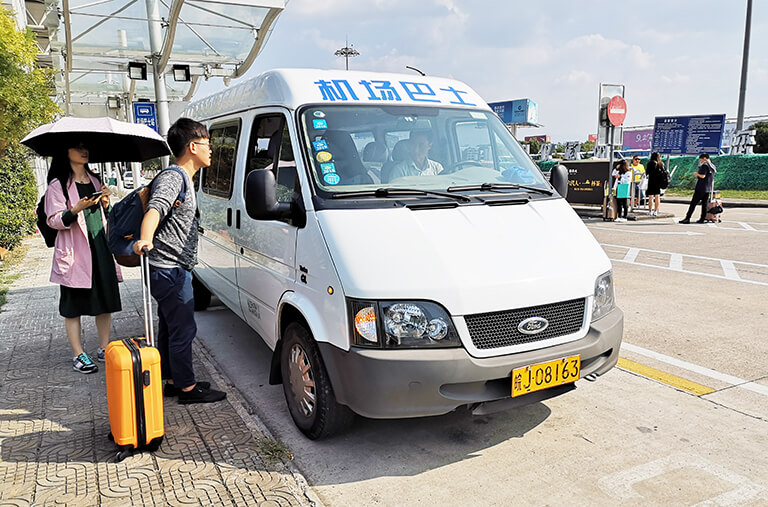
(688, 135)
(145, 112)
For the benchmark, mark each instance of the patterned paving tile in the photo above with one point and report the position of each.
(54, 421)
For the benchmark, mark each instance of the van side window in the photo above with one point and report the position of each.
(217, 179)
(271, 148)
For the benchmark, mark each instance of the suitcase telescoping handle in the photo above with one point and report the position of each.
(145, 296)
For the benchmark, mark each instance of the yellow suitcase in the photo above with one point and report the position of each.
(135, 386)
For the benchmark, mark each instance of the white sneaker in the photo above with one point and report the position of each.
(621, 219)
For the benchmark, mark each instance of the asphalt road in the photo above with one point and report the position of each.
(683, 420)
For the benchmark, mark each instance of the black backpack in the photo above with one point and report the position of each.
(47, 232)
(664, 181)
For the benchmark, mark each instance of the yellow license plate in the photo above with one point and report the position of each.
(544, 375)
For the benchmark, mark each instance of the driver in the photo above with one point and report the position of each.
(417, 163)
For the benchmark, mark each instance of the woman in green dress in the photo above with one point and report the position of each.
(82, 264)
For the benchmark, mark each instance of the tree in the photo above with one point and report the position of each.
(587, 146)
(24, 88)
(761, 136)
(24, 104)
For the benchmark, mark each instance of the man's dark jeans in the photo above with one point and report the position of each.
(172, 289)
(702, 197)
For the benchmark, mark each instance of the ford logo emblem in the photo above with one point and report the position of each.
(533, 325)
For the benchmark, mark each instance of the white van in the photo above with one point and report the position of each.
(387, 284)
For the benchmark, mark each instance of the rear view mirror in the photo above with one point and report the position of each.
(558, 177)
(261, 198)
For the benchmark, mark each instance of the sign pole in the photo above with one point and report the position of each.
(610, 159)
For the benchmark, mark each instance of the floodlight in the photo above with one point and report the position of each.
(137, 70)
(181, 72)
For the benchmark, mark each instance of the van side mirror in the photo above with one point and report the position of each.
(261, 197)
(558, 177)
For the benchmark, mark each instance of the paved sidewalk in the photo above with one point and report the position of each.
(53, 420)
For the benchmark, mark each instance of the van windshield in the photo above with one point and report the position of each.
(358, 148)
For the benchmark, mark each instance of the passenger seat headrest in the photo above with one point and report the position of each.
(375, 152)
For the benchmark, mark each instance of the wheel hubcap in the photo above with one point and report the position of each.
(302, 381)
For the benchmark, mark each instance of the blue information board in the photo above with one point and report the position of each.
(516, 111)
(145, 112)
(688, 135)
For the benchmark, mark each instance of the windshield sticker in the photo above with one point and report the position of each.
(330, 167)
(320, 145)
(324, 156)
(387, 91)
(332, 178)
(318, 114)
(320, 124)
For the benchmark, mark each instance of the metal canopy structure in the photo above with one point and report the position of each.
(89, 43)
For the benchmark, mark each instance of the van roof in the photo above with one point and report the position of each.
(292, 88)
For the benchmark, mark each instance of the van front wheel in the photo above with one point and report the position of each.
(307, 389)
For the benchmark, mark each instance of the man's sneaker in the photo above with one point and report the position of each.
(170, 390)
(684, 221)
(201, 395)
(100, 355)
(84, 364)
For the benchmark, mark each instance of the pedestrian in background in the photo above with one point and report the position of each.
(705, 178)
(82, 264)
(169, 233)
(654, 174)
(624, 178)
(638, 174)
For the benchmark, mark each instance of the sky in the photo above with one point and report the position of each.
(675, 57)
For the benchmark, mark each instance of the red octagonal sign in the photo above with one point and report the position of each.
(617, 110)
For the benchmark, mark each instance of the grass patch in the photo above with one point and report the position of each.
(272, 450)
(8, 273)
(761, 195)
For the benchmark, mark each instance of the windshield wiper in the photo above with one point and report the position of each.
(396, 191)
(499, 186)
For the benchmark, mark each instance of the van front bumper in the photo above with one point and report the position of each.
(421, 382)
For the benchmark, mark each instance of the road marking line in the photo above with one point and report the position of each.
(701, 370)
(674, 233)
(730, 270)
(676, 262)
(664, 377)
(746, 226)
(631, 255)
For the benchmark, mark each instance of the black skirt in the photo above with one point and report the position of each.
(104, 294)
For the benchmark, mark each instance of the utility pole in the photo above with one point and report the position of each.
(155, 45)
(744, 62)
(347, 51)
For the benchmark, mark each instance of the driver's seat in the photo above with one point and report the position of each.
(399, 153)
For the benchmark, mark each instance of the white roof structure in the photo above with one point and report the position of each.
(90, 42)
(294, 87)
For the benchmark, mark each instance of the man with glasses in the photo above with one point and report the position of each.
(418, 163)
(169, 232)
(638, 174)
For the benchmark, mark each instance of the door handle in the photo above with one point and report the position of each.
(237, 219)
(229, 217)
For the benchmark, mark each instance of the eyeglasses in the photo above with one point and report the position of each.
(208, 145)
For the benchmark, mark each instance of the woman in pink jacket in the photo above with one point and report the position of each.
(82, 262)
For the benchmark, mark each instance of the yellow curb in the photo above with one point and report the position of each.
(664, 377)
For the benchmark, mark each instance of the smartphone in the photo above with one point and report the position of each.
(95, 195)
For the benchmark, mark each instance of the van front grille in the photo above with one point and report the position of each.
(500, 329)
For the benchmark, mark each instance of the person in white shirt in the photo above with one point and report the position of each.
(418, 163)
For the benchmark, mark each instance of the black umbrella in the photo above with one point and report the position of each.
(107, 140)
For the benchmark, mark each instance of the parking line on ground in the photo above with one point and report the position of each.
(664, 377)
(701, 370)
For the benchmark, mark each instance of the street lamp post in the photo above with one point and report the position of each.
(347, 51)
(744, 61)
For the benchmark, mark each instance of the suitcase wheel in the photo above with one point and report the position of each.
(123, 453)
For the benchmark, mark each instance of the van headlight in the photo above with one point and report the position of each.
(604, 298)
(401, 324)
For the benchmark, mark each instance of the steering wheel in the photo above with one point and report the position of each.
(455, 167)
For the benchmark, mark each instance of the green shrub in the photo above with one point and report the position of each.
(18, 197)
(734, 172)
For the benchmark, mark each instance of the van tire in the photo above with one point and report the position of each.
(200, 294)
(323, 416)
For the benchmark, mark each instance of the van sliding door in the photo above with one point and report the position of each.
(267, 249)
